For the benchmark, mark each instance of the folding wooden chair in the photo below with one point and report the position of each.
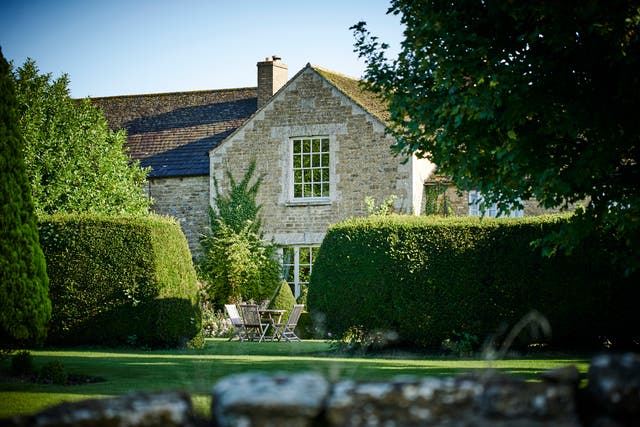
(252, 322)
(287, 329)
(236, 322)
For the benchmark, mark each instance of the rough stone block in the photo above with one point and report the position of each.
(166, 409)
(493, 401)
(614, 387)
(260, 400)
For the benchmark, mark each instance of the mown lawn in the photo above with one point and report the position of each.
(126, 370)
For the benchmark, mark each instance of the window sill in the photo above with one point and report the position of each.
(308, 202)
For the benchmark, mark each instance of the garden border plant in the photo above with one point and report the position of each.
(237, 263)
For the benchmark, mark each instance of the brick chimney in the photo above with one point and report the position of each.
(272, 75)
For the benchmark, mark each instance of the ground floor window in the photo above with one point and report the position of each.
(297, 262)
(475, 200)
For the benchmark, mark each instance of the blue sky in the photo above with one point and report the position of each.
(115, 47)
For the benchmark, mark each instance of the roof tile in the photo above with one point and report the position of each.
(173, 132)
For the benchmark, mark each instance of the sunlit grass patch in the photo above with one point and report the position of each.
(196, 371)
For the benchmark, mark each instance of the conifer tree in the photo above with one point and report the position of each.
(25, 307)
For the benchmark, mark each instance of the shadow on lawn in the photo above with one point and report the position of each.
(127, 371)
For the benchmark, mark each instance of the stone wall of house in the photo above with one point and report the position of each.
(187, 200)
(360, 159)
(611, 398)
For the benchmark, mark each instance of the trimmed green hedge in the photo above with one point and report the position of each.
(429, 279)
(119, 281)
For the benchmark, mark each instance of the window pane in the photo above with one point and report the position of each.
(297, 190)
(325, 145)
(316, 145)
(306, 161)
(297, 176)
(306, 146)
(325, 190)
(297, 162)
(305, 255)
(287, 255)
(305, 273)
(325, 160)
(306, 191)
(289, 274)
(297, 146)
(306, 176)
(325, 175)
(315, 160)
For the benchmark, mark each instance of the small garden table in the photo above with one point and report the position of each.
(272, 317)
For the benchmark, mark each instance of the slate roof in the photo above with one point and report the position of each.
(173, 132)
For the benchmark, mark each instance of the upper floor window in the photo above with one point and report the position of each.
(310, 160)
(475, 207)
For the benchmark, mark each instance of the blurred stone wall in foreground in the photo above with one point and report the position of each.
(610, 398)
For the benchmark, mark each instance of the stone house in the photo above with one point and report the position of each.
(318, 141)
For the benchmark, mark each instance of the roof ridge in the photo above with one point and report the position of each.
(317, 67)
(353, 89)
(185, 92)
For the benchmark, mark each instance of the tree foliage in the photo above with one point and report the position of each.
(75, 163)
(237, 263)
(522, 100)
(25, 308)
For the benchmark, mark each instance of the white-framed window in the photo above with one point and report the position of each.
(297, 262)
(475, 208)
(310, 167)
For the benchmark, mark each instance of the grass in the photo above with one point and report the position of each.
(196, 371)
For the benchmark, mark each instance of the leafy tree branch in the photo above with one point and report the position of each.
(523, 100)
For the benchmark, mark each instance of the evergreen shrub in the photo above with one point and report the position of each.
(22, 364)
(117, 278)
(430, 279)
(283, 299)
(25, 308)
(53, 372)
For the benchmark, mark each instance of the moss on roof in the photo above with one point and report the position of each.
(353, 88)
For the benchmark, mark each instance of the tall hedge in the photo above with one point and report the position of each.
(120, 280)
(428, 279)
(25, 308)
